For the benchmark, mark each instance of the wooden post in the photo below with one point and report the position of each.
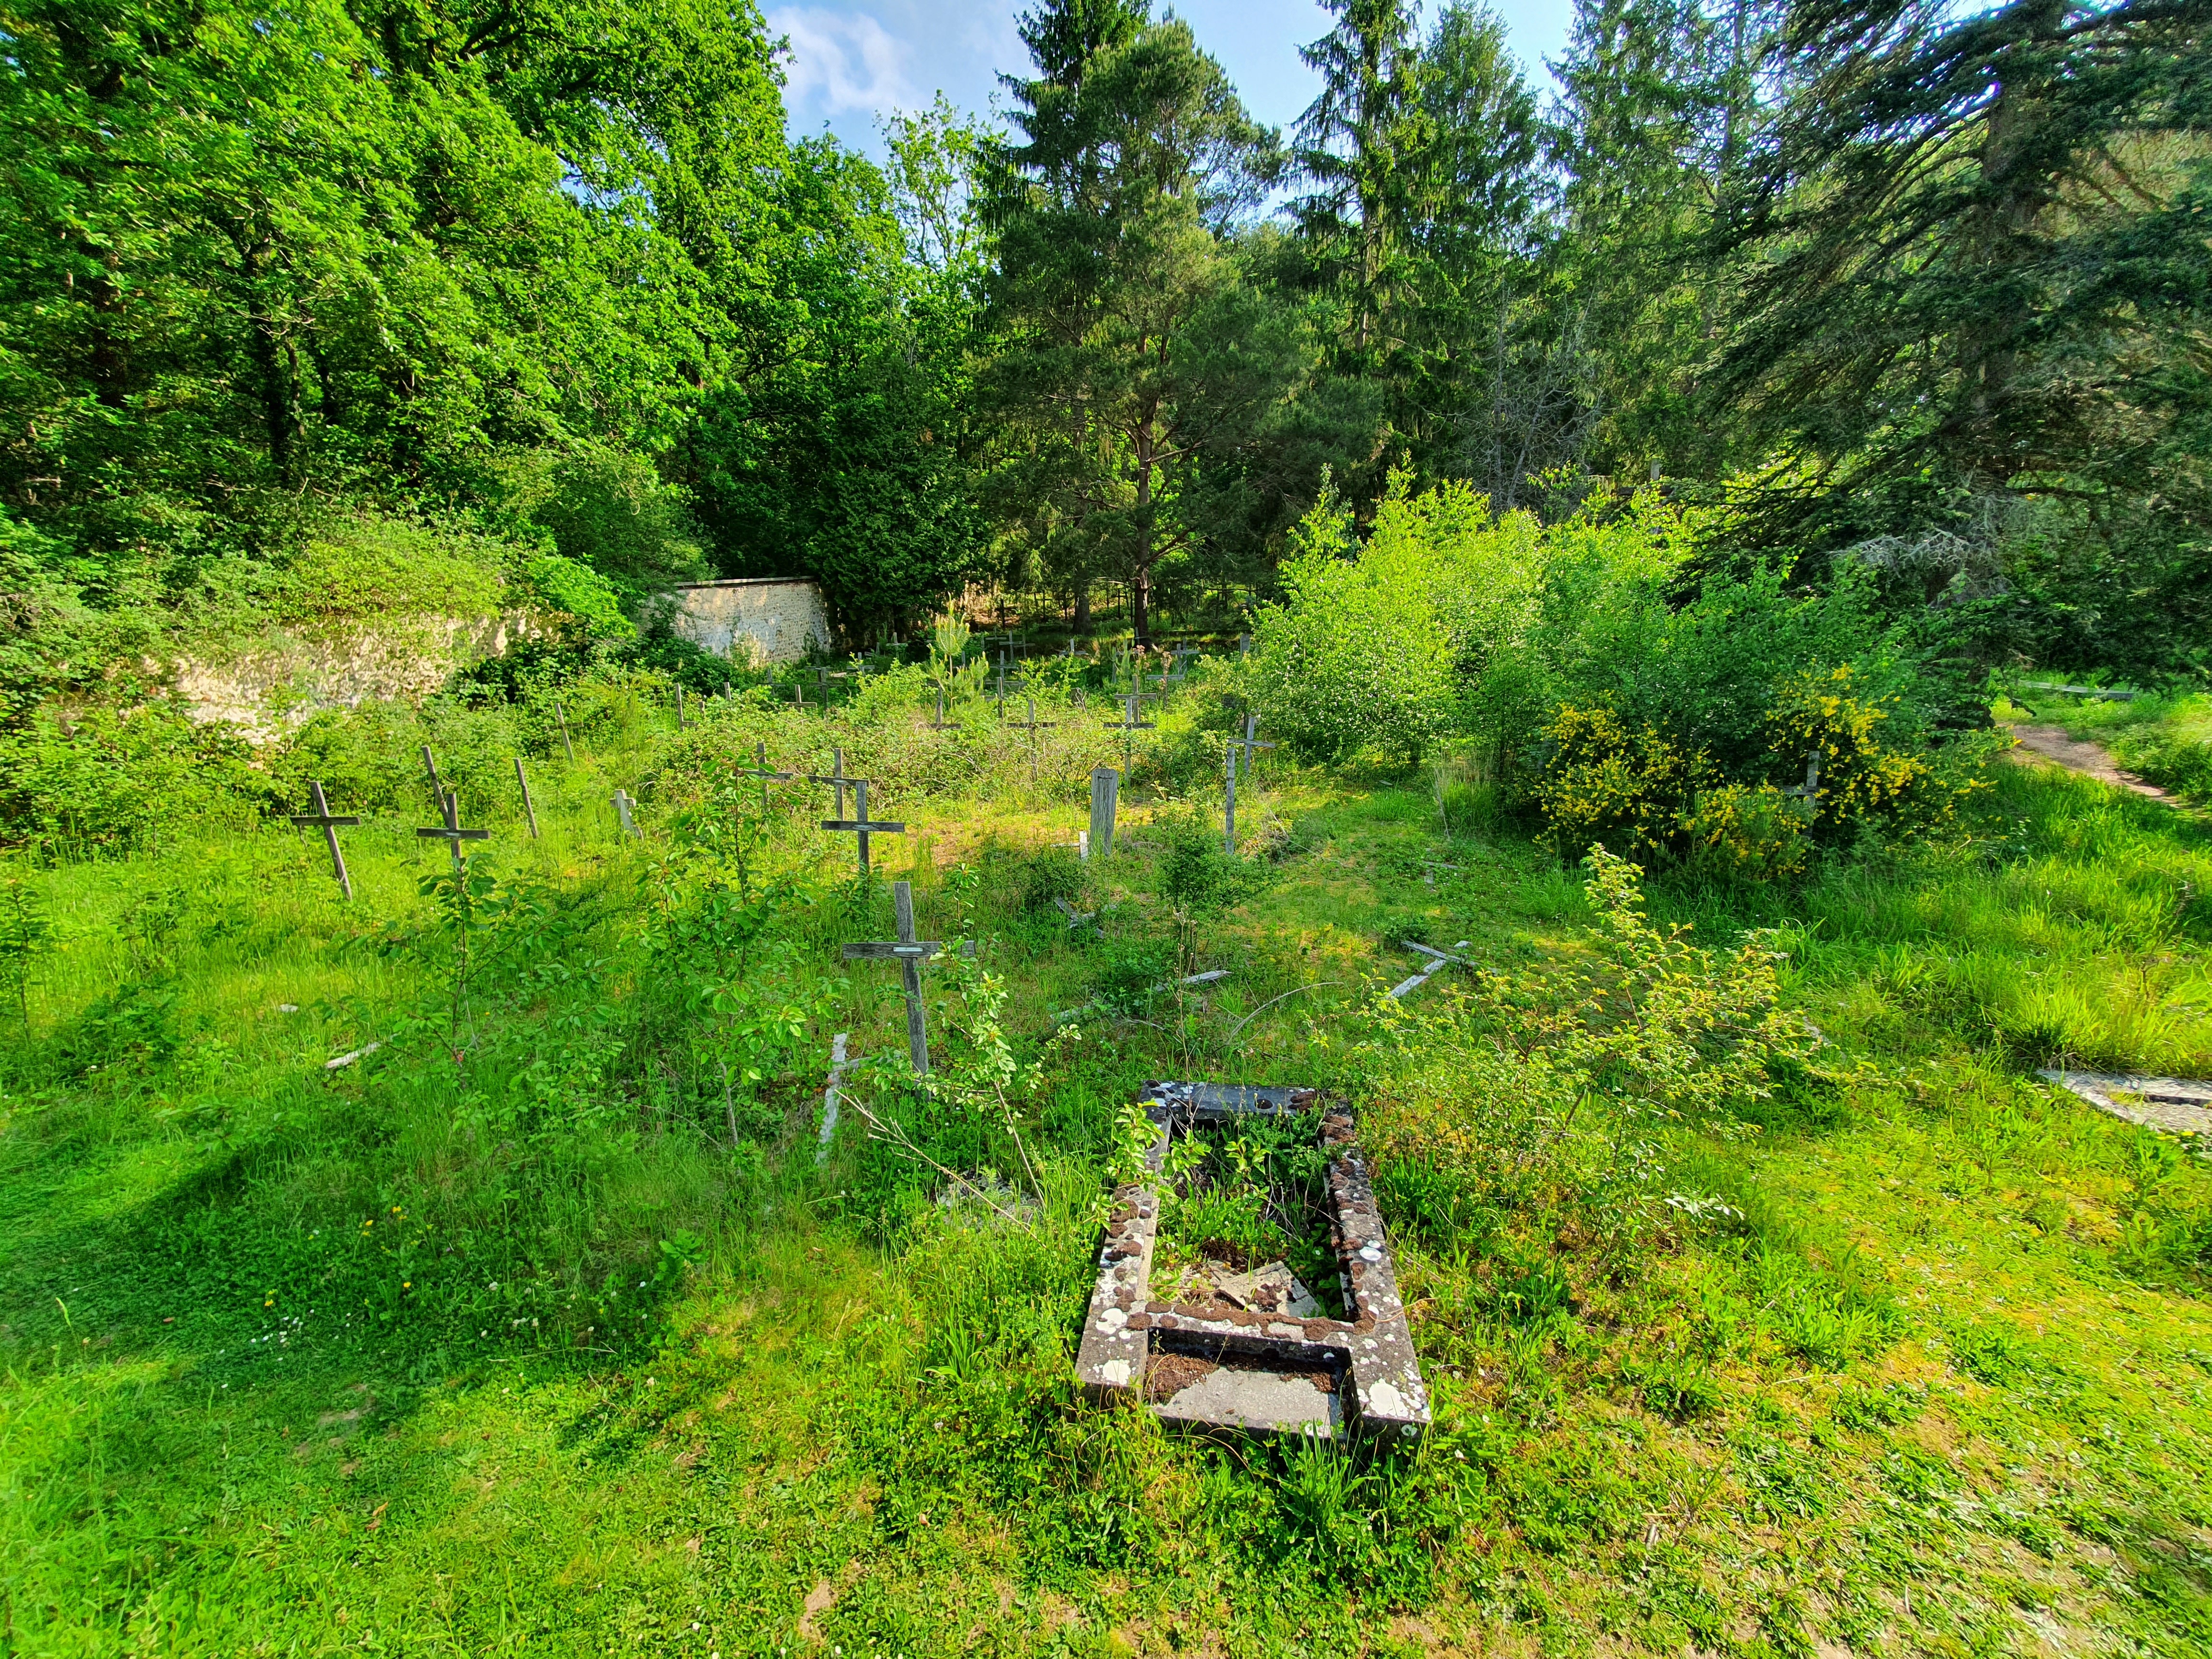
(622, 804)
(1229, 804)
(529, 807)
(679, 708)
(437, 787)
(567, 747)
(1105, 787)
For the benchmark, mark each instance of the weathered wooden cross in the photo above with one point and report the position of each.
(836, 776)
(860, 824)
(1130, 722)
(1250, 741)
(910, 953)
(760, 768)
(451, 832)
(322, 819)
(1810, 789)
(1033, 726)
(1433, 961)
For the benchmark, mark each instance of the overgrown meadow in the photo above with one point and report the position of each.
(1770, 1303)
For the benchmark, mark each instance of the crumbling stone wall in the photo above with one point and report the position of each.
(767, 619)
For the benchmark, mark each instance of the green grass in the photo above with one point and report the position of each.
(1919, 1364)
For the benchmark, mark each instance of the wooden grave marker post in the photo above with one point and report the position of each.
(679, 708)
(567, 747)
(1105, 793)
(322, 819)
(1229, 803)
(437, 787)
(940, 722)
(451, 832)
(861, 826)
(529, 806)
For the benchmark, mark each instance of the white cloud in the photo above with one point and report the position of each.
(840, 63)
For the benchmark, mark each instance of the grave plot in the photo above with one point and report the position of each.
(1245, 1285)
(2180, 1106)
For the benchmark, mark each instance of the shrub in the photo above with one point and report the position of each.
(1605, 781)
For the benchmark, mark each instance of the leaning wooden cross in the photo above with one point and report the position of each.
(322, 819)
(861, 826)
(910, 953)
(451, 832)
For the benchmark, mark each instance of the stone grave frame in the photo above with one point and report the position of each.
(1364, 1366)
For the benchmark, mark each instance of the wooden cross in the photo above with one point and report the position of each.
(838, 777)
(322, 819)
(567, 747)
(1130, 723)
(623, 804)
(1811, 787)
(1250, 741)
(860, 824)
(1033, 726)
(1435, 960)
(910, 953)
(761, 769)
(1002, 687)
(799, 694)
(451, 832)
(679, 708)
(529, 806)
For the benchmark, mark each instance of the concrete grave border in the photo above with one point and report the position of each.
(1372, 1350)
(2180, 1106)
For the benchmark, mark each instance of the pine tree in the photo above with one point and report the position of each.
(1130, 350)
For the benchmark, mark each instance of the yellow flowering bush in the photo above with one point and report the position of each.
(1822, 713)
(1604, 782)
(1748, 831)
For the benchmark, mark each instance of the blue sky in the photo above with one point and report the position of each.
(851, 59)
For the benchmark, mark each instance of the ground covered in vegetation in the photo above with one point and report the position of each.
(1772, 1303)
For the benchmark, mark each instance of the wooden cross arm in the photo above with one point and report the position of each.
(817, 777)
(864, 826)
(1136, 726)
(772, 777)
(319, 822)
(1438, 957)
(881, 949)
(443, 834)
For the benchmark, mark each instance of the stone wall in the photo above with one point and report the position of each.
(272, 687)
(767, 619)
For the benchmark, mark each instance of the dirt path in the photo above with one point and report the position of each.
(2051, 743)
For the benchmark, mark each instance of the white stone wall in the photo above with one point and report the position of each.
(272, 687)
(763, 619)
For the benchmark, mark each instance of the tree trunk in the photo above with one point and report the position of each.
(1140, 574)
(1083, 606)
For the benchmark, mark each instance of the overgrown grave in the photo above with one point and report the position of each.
(1201, 1308)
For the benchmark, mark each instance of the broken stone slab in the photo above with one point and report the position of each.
(2177, 1105)
(1372, 1350)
